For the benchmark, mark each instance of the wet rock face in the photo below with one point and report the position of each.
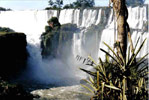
(13, 53)
(54, 38)
(62, 93)
(49, 41)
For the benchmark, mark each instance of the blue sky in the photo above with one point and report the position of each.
(40, 4)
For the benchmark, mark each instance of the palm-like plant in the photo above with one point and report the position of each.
(108, 81)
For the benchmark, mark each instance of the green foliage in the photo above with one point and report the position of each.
(13, 92)
(50, 37)
(80, 4)
(55, 39)
(54, 21)
(68, 6)
(4, 9)
(134, 2)
(5, 29)
(84, 3)
(56, 4)
(107, 82)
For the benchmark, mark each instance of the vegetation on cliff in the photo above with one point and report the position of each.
(4, 9)
(13, 58)
(5, 30)
(80, 4)
(49, 39)
(134, 2)
(13, 52)
(13, 92)
(57, 4)
(53, 39)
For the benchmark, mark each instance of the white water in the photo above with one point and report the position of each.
(137, 18)
(32, 23)
(89, 17)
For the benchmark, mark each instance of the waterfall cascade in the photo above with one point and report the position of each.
(32, 23)
(138, 16)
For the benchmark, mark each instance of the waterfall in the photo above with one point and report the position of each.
(55, 71)
(136, 19)
(32, 23)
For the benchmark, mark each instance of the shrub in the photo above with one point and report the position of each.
(108, 81)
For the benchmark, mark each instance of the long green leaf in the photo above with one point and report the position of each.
(144, 75)
(102, 67)
(140, 83)
(107, 59)
(110, 56)
(97, 79)
(134, 56)
(111, 50)
(112, 87)
(128, 54)
(91, 80)
(136, 44)
(87, 94)
(102, 75)
(96, 67)
(91, 85)
(138, 64)
(89, 72)
(87, 88)
(102, 89)
(92, 60)
(140, 60)
(145, 67)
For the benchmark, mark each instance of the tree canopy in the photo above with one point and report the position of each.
(4, 9)
(84, 3)
(81, 4)
(134, 2)
(56, 4)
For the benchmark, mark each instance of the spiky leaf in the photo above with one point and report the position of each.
(87, 88)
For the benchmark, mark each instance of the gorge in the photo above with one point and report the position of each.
(95, 26)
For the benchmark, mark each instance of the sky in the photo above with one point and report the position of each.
(40, 4)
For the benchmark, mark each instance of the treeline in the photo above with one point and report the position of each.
(134, 2)
(4, 9)
(58, 4)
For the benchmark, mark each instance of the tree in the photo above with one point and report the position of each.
(67, 6)
(4, 9)
(120, 78)
(121, 16)
(134, 2)
(121, 12)
(84, 3)
(56, 4)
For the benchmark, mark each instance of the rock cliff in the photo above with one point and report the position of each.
(13, 53)
(53, 39)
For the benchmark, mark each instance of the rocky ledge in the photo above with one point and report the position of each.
(13, 53)
(13, 59)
